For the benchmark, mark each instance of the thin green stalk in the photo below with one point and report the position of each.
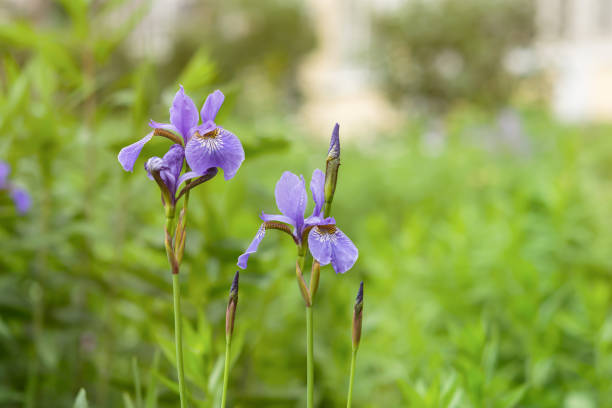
(309, 359)
(178, 339)
(228, 345)
(352, 378)
(137, 387)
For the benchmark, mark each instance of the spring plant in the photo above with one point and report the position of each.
(20, 197)
(316, 234)
(200, 147)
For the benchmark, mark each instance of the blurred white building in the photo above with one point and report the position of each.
(575, 47)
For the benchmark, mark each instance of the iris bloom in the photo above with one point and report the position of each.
(20, 197)
(203, 145)
(327, 243)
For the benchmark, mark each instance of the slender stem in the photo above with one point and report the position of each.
(228, 345)
(178, 338)
(137, 387)
(309, 359)
(352, 378)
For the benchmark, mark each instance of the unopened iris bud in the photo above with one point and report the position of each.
(358, 317)
(230, 313)
(331, 168)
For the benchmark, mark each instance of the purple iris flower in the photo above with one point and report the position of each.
(169, 168)
(20, 197)
(327, 243)
(206, 145)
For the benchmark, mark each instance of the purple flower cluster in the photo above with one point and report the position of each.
(202, 144)
(20, 197)
(327, 243)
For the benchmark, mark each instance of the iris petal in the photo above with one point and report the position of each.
(223, 150)
(183, 113)
(290, 193)
(21, 199)
(243, 259)
(332, 246)
(212, 105)
(128, 155)
(5, 170)
(344, 253)
(317, 188)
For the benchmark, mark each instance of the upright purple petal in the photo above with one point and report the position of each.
(220, 148)
(243, 259)
(211, 106)
(5, 170)
(22, 200)
(128, 155)
(328, 244)
(173, 159)
(183, 113)
(317, 188)
(290, 193)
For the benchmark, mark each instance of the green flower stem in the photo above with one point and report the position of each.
(309, 359)
(178, 338)
(228, 345)
(352, 378)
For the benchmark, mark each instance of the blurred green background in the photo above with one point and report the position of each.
(482, 219)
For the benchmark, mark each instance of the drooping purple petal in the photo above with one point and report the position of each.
(317, 188)
(344, 253)
(328, 244)
(319, 244)
(22, 200)
(183, 113)
(243, 259)
(290, 193)
(128, 155)
(5, 170)
(167, 126)
(211, 106)
(277, 217)
(218, 149)
(187, 176)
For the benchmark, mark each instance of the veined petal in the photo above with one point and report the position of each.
(183, 113)
(317, 188)
(328, 244)
(290, 193)
(217, 149)
(212, 105)
(243, 259)
(344, 252)
(128, 155)
(22, 200)
(319, 244)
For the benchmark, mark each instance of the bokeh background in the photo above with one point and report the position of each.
(476, 179)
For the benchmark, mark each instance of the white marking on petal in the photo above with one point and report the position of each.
(326, 233)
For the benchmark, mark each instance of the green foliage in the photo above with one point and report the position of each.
(487, 273)
(437, 53)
